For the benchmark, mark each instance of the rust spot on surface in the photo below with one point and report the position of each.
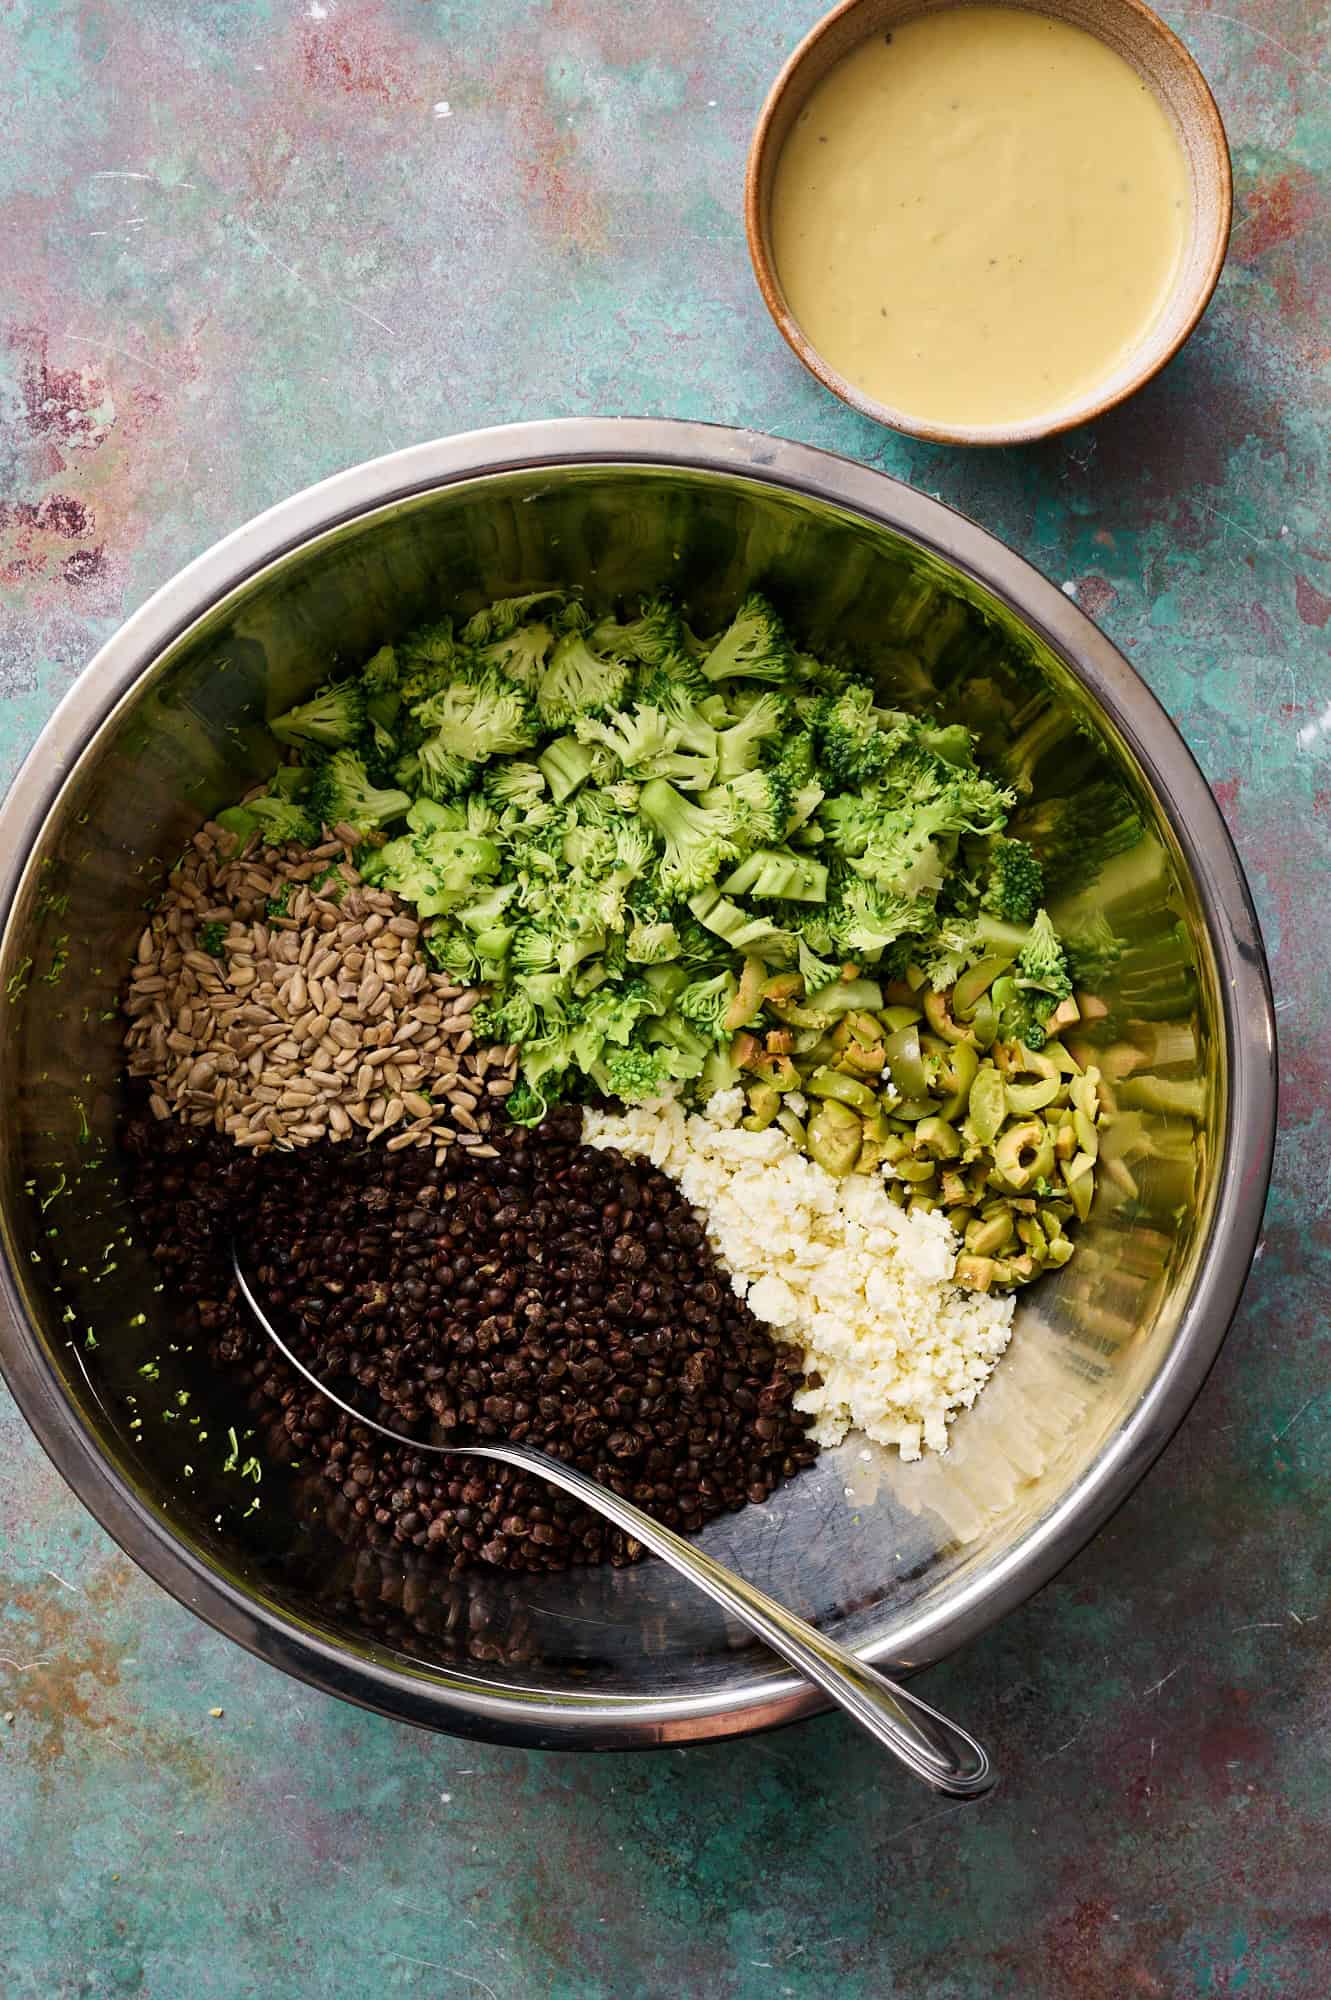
(1276, 211)
(63, 405)
(61, 514)
(1313, 607)
(1096, 595)
(85, 565)
(74, 1662)
(346, 56)
(1227, 795)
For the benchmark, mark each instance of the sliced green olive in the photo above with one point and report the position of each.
(834, 1135)
(1024, 1098)
(792, 1126)
(764, 1103)
(976, 1273)
(940, 1019)
(834, 1083)
(1087, 1136)
(748, 994)
(779, 1071)
(984, 1027)
(987, 1104)
(1025, 1153)
(894, 1018)
(846, 996)
(956, 1074)
(986, 1238)
(973, 985)
(1058, 1252)
(905, 1062)
(908, 1169)
(936, 1136)
(783, 987)
(911, 1109)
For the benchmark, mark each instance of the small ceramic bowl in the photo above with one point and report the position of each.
(1163, 63)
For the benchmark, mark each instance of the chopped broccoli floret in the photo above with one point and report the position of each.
(740, 747)
(501, 619)
(436, 871)
(705, 1002)
(279, 822)
(1015, 881)
(379, 675)
(212, 939)
(753, 647)
(1041, 961)
(578, 681)
(649, 743)
(856, 741)
(635, 1073)
(342, 791)
(759, 805)
(515, 783)
(652, 943)
(438, 771)
(477, 720)
(522, 656)
(697, 838)
(333, 717)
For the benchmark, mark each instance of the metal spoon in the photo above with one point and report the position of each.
(930, 1746)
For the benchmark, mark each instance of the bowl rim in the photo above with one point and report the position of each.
(992, 435)
(466, 1704)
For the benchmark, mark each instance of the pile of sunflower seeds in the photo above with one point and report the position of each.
(277, 998)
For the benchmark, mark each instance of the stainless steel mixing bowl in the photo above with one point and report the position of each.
(905, 1562)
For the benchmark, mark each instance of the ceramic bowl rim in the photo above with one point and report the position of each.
(1216, 220)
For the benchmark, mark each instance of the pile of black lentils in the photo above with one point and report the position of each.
(555, 1295)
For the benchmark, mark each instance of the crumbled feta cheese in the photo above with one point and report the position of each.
(892, 1346)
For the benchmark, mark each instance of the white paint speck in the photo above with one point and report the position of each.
(318, 13)
(443, 109)
(445, 1798)
(1070, 587)
(711, 104)
(1284, 530)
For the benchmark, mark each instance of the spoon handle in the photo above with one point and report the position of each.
(924, 1741)
(927, 1743)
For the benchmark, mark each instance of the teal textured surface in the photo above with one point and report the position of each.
(248, 245)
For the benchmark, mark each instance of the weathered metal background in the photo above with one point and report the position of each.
(246, 244)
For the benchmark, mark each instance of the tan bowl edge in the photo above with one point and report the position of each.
(1160, 59)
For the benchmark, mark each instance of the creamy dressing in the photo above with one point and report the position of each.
(978, 216)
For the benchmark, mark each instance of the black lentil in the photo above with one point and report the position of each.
(555, 1295)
